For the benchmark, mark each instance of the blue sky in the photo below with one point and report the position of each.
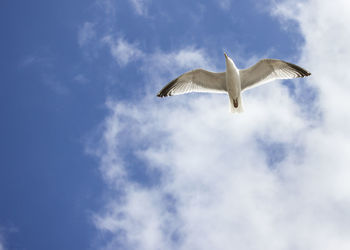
(91, 159)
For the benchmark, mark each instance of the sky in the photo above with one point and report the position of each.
(90, 158)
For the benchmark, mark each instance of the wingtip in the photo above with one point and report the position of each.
(167, 90)
(162, 95)
(303, 72)
(307, 73)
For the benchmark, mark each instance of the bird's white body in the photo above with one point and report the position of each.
(233, 85)
(233, 81)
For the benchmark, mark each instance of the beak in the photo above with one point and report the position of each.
(225, 55)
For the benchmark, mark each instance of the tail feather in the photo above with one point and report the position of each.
(239, 109)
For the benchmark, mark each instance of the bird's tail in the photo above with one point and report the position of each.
(239, 108)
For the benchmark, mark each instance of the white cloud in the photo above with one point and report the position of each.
(184, 58)
(211, 169)
(108, 6)
(2, 240)
(225, 4)
(81, 79)
(29, 60)
(140, 6)
(4, 232)
(123, 51)
(50, 80)
(86, 33)
(46, 68)
(215, 188)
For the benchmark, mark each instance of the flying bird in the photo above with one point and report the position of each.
(233, 81)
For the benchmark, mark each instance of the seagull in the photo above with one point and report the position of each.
(233, 81)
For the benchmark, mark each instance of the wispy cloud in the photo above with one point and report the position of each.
(81, 79)
(2, 246)
(108, 6)
(192, 176)
(140, 6)
(4, 231)
(50, 80)
(158, 66)
(123, 51)
(86, 33)
(44, 64)
(225, 4)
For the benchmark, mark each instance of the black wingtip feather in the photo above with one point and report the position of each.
(166, 91)
(302, 72)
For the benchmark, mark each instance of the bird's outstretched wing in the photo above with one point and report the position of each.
(267, 70)
(198, 80)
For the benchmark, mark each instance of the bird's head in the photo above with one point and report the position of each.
(229, 60)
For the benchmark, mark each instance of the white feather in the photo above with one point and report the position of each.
(198, 80)
(267, 70)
